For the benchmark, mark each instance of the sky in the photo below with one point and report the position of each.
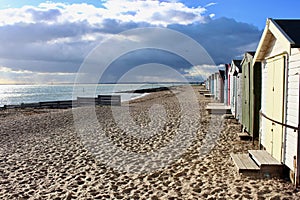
(55, 41)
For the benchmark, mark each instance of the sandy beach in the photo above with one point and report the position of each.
(44, 155)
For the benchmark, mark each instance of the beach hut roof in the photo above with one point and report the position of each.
(222, 74)
(285, 30)
(251, 53)
(236, 62)
(227, 68)
(291, 28)
(236, 67)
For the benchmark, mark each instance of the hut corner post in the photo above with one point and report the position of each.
(298, 141)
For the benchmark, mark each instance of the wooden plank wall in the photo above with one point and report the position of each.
(292, 107)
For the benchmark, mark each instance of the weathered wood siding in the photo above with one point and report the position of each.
(232, 89)
(234, 97)
(239, 93)
(264, 74)
(292, 107)
(232, 93)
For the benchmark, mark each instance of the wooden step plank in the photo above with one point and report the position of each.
(216, 104)
(218, 109)
(244, 136)
(237, 161)
(258, 157)
(249, 163)
(262, 157)
(209, 95)
(244, 163)
(204, 91)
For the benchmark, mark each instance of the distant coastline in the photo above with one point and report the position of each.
(109, 83)
(28, 94)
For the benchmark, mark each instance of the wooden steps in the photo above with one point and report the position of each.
(204, 91)
(263, 158)
(208, 95)
(244, 163)
(218, 108)
(258, 163)
(228, 116)
(244, 136)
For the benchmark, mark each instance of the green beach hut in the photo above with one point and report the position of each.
(251, 95)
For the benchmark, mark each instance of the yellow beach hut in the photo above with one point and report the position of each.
(279, 53)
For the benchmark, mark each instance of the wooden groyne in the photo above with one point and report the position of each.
(146, 90)
(113, 100)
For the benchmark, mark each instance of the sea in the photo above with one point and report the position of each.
(17, 94)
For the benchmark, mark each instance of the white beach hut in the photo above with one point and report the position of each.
(233, 72)
(239, 93)
(207, 83)
(216, 86)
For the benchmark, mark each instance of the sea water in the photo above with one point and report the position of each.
(17, 94)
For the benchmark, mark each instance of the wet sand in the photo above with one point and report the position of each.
(44, 156)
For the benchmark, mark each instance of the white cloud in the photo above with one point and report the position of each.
(210, 4)
(152, 12)
(55, 37)
(11, 76)
(200, 71)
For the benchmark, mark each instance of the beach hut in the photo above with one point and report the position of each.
(227, 85)
(212, 79)
(207, 83)
(221, 85)
(216, 86)
(279, 53)
(251, 96)
(239, 92)
(233, 72)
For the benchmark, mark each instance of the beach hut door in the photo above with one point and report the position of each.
(274, 106)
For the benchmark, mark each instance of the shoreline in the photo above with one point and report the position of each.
(43, 157)
(63, 104)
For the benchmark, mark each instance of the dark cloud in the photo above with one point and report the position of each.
(42, 32)
(141, 57)
(222, 38)
(158, 16)
(113, 26)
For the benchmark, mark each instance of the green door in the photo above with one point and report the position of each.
(246, 96)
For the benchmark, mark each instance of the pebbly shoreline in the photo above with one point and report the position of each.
(42, 155)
